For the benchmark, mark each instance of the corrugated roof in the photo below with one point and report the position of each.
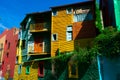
(38, 12)
(34, 13)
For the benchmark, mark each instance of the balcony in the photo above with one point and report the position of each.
(38, 53)
(39, 27)
(38, 49)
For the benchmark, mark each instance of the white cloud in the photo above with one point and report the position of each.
(2, 26)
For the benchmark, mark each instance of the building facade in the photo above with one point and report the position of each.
(34, 45)
(8, 41)
(44, 35)
(72, 24)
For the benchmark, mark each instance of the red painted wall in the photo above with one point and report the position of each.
(9, 54)
(84, 29)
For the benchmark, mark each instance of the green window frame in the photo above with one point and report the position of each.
(19, 69)
(28, 70)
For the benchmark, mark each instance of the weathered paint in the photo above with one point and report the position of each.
(9, 56)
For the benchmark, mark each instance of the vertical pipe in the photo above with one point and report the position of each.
(98, 60)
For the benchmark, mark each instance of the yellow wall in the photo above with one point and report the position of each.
(2, 41)
(59, 25)
(16, 76)
(19, 52)
(33, 72)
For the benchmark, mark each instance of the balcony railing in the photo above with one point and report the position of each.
(32, 51)
(39, 27)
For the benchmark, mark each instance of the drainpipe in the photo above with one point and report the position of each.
(99, 68)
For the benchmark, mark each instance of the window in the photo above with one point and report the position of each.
(69, 33)
(69, 10)
(54, 37)
(54, 13)
(1, 47)
(24, 26)
(6, 41)
(19, 69)
(82, 15)
(73, 70)
(41, 69)
(8, 45)
(28, 70)
(16, 59)
(7, 55)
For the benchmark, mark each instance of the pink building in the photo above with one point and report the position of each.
(8, 49)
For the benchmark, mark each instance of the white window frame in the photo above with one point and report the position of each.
(67, 11)
(69, 33)
(54, 14)
(53, 37)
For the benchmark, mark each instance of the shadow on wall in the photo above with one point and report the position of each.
(84, 30)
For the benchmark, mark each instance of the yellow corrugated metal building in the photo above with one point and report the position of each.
(60, 21)
(72, 24)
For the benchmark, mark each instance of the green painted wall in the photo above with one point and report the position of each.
(117, 13)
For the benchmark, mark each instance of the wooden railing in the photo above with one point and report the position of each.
(38, 27)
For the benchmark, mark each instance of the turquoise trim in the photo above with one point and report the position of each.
(28, 70)
(99, 68)
(19, 69)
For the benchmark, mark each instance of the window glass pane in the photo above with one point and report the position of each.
(75, 18)
(69, 10)
(19, 69)
(73, 69)
(69, 33)
(54, 37)
(83, 17)
(54, 13)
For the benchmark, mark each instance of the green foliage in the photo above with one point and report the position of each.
(108, 42)
(83, 55)
(98, 18)
(64, 57)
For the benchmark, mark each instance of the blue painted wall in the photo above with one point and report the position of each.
(110, 68)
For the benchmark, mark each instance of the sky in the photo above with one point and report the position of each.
(12, 12)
